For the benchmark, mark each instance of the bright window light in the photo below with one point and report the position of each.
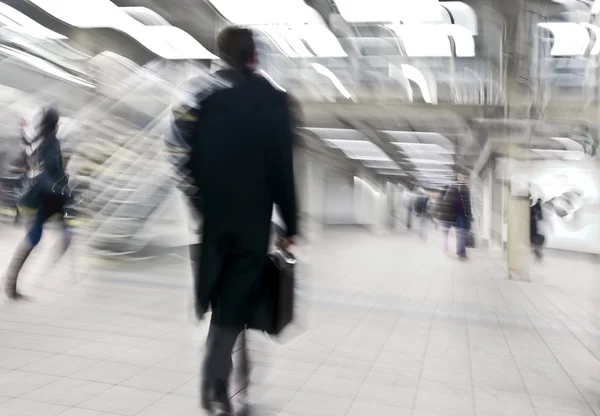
(462, 14)
(380, 11)
(423, 40)
(596, 48)
(17, 21)
(148, 14)
(464, 43)
(570, 39)
(44, 66)
(413, 74)
(560, 154)
(569, 144)
(432, 40)
(335, 80)
(168, 42)
(289, 23)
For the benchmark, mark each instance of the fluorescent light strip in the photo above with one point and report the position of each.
(377, 11)
(432, 162)
(424, 147)
(335, 80)
(391, 172)
(165, 41)
(596, 48)
(15, 20)
(412, 73)
(44, 66)
(562, 154)
(382, 165)
(289, 23)
(360, 149)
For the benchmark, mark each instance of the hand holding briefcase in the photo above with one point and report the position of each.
(276, 300)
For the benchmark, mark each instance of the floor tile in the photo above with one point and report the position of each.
(157, 379)
(60, 365)
(108, 372)
(66, 392)
(17, 383)
(20, 407)
(122, 400)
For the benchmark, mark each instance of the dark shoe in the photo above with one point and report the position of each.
(215, 399)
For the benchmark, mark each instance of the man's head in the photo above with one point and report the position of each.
(460, 178)
(237, 48)
(47, 123)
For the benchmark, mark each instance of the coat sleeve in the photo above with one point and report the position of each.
(54, 172)
(281, 165)
(184, 118)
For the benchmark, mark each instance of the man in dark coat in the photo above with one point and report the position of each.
(239, 134)
(457, 202)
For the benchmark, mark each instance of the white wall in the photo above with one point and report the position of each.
(339, 198)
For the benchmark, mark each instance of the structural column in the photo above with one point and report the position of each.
(310, 188)
(518, 245)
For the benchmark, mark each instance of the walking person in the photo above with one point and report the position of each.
(45, 184)
(537, 238)
(421, 208)
(240, 139)
(458, 203)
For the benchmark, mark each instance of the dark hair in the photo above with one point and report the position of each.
(236, 46)
(48, 122)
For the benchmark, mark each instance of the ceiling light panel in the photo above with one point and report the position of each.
(423, 148)
(290, 22)
(167, 42)
(17, 21)
(391, 172)
(382, 164)
(372, 11)
(360, 150)
(570, 39)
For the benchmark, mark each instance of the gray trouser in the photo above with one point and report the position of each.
(218, 362)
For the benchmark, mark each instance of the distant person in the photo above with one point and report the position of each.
(536, 237)
(45, 191)
(240, 139)
(421, 208)
(458, 204)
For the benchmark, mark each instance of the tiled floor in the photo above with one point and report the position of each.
(387, 326)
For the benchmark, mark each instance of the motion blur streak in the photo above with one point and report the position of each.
(445, 159)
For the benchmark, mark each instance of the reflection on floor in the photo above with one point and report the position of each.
(388, 326)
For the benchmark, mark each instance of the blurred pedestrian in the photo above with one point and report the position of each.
(421, 208)
(537, 238)
(45, 191)
(458, 204)
(239, 132)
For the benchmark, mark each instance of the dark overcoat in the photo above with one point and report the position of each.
(240, 138)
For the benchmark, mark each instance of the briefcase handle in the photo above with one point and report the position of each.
(288, 257)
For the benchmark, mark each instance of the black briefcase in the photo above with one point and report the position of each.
(275, 308)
